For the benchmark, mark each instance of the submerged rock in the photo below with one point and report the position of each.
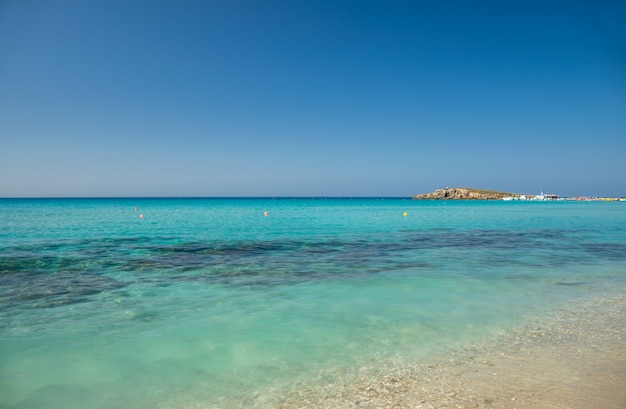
(45, 290)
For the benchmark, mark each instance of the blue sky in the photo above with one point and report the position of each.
(311, 98)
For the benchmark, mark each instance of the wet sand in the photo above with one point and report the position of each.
(574, 358)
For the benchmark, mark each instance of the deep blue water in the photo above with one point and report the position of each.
(204, 299)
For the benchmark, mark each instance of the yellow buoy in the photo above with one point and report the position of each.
(405, 214)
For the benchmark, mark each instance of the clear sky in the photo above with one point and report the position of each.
(311, 98)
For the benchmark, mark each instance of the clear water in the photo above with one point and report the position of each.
(209, 299)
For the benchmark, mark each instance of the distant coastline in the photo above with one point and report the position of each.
(466, 193)
(439, 194)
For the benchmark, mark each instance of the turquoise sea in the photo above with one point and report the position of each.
(205, 301)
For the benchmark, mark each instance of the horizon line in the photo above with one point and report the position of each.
(207, 197)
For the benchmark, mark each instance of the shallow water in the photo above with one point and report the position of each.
(208, 299)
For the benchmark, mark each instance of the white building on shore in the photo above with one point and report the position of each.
(540, 197)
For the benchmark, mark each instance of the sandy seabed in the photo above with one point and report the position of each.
(574, 358)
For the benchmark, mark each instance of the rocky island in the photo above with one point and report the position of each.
(464, 193)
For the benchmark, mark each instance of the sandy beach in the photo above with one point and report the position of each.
(574, 358)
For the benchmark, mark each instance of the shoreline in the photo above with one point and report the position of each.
(575, 357)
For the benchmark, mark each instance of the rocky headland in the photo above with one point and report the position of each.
(464, 193)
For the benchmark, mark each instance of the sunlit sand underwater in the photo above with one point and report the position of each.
(210, 302)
